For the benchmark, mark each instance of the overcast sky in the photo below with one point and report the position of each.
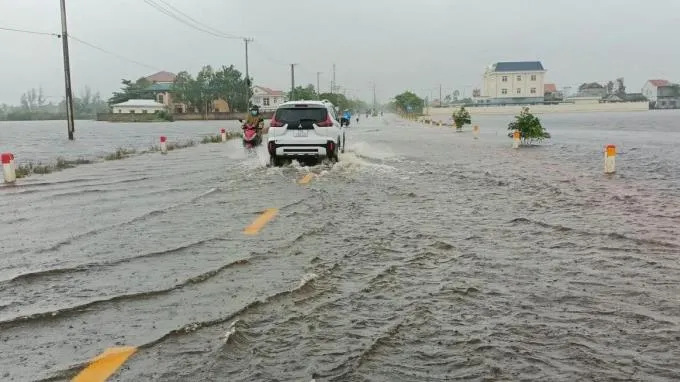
(396, 44)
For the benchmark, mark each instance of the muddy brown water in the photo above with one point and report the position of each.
(424, 255)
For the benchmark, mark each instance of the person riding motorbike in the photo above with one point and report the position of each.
(346, 117)
(254, 119)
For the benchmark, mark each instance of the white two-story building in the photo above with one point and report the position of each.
(267, 99)
(519, 82)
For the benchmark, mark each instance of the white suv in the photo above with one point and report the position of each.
(308, 131)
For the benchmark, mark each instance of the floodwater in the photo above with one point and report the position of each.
(45, 141)
(424, 255)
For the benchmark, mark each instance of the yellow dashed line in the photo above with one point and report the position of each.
(105, 364)
(306, 179)
(260, 222)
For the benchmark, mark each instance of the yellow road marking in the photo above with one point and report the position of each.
(105, 364)
(261, 220)
(307, 178)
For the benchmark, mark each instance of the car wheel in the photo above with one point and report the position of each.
(333, 157)
(275, 161)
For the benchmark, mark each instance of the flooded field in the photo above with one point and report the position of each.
(424, 255)
(45, 141)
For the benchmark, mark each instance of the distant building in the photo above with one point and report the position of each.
(267, 99)
(551, 94)
(138, 106)
(668, 97)
(651, 89)
(519, 82)
(591, 90)
(662, 94)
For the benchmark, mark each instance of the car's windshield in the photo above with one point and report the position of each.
(291, 116)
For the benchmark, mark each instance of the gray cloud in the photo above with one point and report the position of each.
(397, 44)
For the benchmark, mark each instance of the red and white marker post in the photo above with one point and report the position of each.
(164, 144)
(610, 159)
(8, 170)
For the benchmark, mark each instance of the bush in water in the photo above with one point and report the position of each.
(529, 127)
(461, 118)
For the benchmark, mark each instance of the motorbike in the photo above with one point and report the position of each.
(251, 138)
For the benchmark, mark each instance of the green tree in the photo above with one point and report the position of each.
(302, 93)
(230, 85)
(461, 118)
(620, 87)
(86, 105)
(132, 90)
(409, 99)
(610, 87)
(197, 93)
(343, 103)
(529, 127)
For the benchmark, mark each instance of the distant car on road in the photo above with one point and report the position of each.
(307, 131)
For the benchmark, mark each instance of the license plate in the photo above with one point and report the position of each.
(301, 133)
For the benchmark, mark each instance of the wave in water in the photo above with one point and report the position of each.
(612, 235)
(30, 276)
(60, 313)
(136, 219)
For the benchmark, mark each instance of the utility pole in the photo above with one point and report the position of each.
(441, 102)
(333, 83)
(374, 99)
(246, 40)
(292, 82)
(318, 89)
(67, 73)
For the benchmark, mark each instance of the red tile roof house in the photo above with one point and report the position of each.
(267, 99)
(651, 89)
(662, 94)
(551, 94)
(549, 88)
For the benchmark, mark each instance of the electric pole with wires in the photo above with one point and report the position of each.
(292, 82)
(246, 40)
(318, 89)
(67, 73)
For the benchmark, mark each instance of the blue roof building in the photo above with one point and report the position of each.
(513, 83)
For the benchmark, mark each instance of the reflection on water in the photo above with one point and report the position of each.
(422, 255)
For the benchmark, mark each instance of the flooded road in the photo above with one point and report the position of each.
(424, 255)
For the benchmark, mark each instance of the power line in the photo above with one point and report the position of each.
(217, 31)
(30, 32)
(269, 58)
(72, 37)
(199, 26)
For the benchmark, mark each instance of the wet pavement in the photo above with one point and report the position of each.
(424, 255)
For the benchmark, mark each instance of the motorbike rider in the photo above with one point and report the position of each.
(346, 117)
(254, 119)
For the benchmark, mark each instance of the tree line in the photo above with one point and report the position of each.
(309, 92)
(196, 92)
(33, 105)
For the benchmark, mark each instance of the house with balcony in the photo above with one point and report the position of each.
(668, 97)
(267, 99)
(512, 83)
(662, 94)
(651, 89)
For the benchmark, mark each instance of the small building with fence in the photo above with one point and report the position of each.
(137, 106)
